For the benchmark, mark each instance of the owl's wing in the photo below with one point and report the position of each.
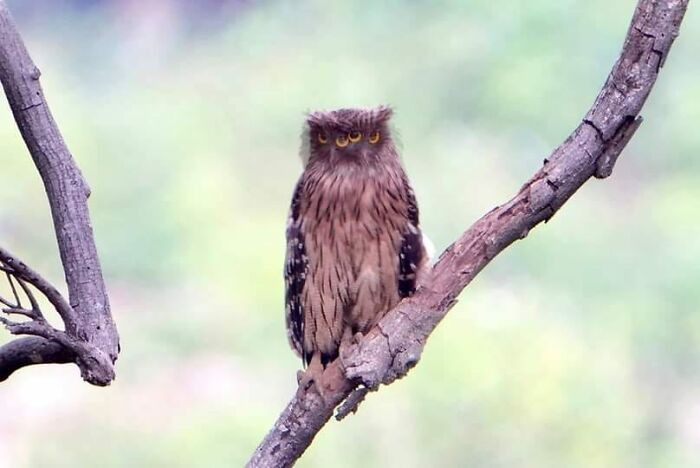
(412, 255)
(295, 268)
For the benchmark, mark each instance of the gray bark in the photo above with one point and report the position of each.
(90, 334)
(395, 345)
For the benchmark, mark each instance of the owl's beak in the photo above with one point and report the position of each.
(337, 155)
(334, 154)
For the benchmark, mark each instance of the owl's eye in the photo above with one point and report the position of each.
(374, 138)
(354, 137)
(342, 141)
(323, 139)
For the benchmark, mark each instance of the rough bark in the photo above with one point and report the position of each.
(29, 351)
(90, 333)
(395, 345)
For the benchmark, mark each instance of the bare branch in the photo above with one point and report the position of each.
(36, 310)
(82, 352)
(11, 265)
(90, 334)
(395, 345)
(34, 313)
(17, 302)
(351, 403)
(29, 351)
(29, 313)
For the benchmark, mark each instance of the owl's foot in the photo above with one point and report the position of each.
(324, 380)
(312, 376)
(349, 342)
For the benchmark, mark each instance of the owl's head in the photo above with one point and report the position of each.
(348, 137)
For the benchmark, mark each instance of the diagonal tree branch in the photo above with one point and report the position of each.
(395, 345)
(90, 335)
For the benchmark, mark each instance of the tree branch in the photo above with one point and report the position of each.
(395, 345)
(28, 351)
(90, 334)
(11, 264)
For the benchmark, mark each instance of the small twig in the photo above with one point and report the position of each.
(14, 290)
(20, 311)
(35, 312)
(351, 403)
(3, 301)
(38, 328)
(13, 266)
(32, 300)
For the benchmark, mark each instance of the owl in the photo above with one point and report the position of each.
(354, 245)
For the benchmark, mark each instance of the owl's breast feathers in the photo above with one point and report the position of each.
(354, 249)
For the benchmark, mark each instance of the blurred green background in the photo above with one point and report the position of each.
(579, 347)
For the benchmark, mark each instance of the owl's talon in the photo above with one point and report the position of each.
(312, 376)
(305, 381)
(349, 344)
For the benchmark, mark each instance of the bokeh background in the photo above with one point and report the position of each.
(578, 347)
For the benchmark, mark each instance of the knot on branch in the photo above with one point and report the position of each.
(95, 366)
(613, 147)
(541, 196)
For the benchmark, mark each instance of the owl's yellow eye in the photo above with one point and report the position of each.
(323, 139)
(342, 141)
(374, 138)
(354, 137)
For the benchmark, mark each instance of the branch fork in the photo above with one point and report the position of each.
(95, 366)
(90, 338)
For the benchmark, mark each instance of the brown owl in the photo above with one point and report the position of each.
(354, 246)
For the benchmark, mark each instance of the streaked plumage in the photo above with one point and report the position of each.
(354, 247)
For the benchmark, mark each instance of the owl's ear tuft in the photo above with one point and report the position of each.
(382, 114)
(318, 119)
